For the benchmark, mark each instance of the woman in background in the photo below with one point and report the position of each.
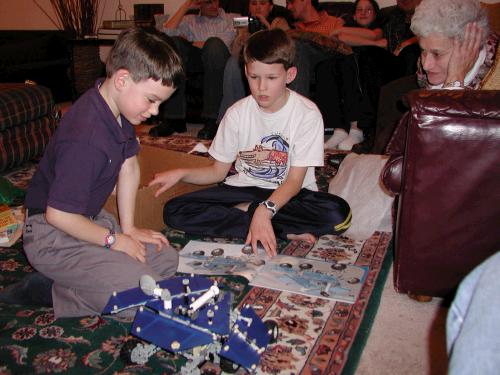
(457, 50)
(365, 28)
(363, 31)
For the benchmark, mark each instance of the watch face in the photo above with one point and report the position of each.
(270, 204)
(110, 240)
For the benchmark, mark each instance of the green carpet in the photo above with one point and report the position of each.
(317, 336)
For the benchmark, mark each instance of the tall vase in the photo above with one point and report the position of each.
(86, 65)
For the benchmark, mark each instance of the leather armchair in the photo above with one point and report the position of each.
(445, 170)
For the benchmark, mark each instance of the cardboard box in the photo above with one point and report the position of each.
(148, 209)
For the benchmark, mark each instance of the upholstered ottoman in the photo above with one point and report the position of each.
(27, 120)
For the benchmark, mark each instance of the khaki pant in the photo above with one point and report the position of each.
(85, 275)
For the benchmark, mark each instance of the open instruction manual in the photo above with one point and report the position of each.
(316, 278)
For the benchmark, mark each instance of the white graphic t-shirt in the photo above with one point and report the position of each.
(265, 145)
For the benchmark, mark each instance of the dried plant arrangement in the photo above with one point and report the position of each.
(79, 18)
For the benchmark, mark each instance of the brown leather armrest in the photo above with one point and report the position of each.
(396, 144)
(392, 174)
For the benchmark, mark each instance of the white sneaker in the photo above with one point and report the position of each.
(338, 136)
(355, 137)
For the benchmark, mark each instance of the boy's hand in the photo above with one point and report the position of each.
(148, 236)
(130, 246)
(261, 230)
(166, 180)
(465, 53)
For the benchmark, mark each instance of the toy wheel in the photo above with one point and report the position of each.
(228, 366)
(127, 349)
(272, 329)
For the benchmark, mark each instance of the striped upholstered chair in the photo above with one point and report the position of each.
(27, 120)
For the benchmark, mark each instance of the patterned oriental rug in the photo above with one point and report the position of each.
(316, 336)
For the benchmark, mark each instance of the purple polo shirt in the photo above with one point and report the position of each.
(80, 166)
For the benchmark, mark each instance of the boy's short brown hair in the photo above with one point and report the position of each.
(270, 47)
(145, 54)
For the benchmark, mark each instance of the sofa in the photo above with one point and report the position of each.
(28, 118)
(42, 56)
(444, 170)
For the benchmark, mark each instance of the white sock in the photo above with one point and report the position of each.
(338, 136)
(355, 137)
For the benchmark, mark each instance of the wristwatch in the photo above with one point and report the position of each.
(270, 205)
(110, 239)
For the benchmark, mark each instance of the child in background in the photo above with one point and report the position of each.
(276, 138)
(364, 31)
(68, 237)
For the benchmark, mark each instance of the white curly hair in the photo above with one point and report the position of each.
(448, 17)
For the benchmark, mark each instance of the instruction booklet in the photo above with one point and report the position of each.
(316, 278)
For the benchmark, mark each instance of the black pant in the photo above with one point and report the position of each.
(209, 60)
(211, 212)
(341, 95)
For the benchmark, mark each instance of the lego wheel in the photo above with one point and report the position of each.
(127, 349)
(228, 366)
(137, 352)
(272, 329)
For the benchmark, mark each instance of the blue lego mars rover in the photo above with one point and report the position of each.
(191, 316)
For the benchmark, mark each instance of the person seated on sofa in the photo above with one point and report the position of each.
(312, 32)
(321, 54)
(400, 38)
(270, 16)
(363, 31)
(68, 236)
(458, 51)
(203, 41)
(275, 136)
(377, 66)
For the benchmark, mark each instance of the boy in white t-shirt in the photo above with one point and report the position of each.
(275, 138)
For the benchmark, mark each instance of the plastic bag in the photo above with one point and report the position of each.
(9, 194)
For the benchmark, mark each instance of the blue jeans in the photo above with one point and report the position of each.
(473, 324)
(234, 85)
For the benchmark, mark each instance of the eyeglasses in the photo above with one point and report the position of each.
(368, 10)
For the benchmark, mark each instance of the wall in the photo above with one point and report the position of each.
(24, 14)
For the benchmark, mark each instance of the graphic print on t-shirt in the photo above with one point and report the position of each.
(267, 161)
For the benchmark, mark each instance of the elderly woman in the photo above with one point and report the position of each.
(457, 50)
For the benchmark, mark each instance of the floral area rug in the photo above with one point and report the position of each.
(316, 336)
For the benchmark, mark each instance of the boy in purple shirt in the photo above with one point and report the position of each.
(68, 237)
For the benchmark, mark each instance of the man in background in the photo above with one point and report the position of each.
(203, 42)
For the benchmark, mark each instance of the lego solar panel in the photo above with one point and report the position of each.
(166, 333)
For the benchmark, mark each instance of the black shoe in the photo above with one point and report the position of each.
(364, 147)
(169, 127)
(209, 130)
(35, 289)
